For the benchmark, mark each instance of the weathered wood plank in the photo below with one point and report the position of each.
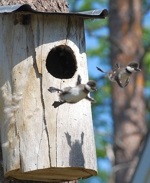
(9, 140)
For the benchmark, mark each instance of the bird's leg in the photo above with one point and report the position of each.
(53, 89)
(78, 80)
(90, 99)
(127, 82)
(58, 103)
(119, 82)
(121, 85)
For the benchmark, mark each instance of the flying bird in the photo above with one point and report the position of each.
(121, 75)
(74, 94)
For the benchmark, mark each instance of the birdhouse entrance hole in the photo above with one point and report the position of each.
(61, 62)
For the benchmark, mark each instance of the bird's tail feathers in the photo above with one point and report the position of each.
(53, 89)
(58, 103)
(100, 70)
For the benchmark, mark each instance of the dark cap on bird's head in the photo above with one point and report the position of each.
(92, 85)
(134, 66)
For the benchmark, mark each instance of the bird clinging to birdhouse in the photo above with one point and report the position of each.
(121, 75)
(74, 94)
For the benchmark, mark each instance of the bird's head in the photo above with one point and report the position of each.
(91, 86)
(133, 67)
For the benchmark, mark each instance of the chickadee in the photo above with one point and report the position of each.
(122, 75)
(74, 94)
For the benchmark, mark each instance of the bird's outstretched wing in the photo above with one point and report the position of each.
(78, 80)
(90, 99)
(117, 66)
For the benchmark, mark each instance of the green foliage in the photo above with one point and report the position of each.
(147, 69)
(104, 176)
(101, 144)
(94, 25)
(146, 61)
(146, 43)
(101, 50)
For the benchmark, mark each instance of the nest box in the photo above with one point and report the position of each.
(39, 50)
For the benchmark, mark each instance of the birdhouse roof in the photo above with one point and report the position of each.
(93, 14)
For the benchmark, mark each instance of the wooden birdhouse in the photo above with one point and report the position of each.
(39, 50)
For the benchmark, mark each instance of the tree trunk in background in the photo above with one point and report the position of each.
(48, 5)
(128, 104)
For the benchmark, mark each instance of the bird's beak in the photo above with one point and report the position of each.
(138, 69)
(94, 89)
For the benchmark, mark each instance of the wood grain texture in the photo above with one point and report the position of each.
(40, 142)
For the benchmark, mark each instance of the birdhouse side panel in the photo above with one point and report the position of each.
(9, 139)
(25, 136)
(34, 147)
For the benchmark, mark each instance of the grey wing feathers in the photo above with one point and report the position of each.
(66, 90)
